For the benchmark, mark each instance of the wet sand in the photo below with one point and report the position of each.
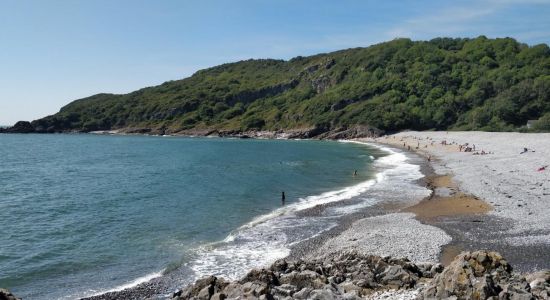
(446, 201)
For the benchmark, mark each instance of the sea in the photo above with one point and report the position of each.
(85, 214)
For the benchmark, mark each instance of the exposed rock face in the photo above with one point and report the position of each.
(6, 295)
(475, 275)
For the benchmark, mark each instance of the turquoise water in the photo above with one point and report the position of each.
(82, 214)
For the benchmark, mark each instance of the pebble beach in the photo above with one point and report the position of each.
(496, 201)
(508, 172)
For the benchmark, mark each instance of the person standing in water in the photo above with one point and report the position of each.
(354, 173)
(283, 198)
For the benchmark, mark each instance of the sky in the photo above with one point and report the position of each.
(53, 52)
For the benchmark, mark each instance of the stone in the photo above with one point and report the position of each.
(321, 294)
(255, 288)
(474, 275)
(397, 276)
(233, 290)
(7, 295)
(263, 275)
(205, 293)
(284, 290)
(303, 293)
(348, 287)
(218, 296)
(279, 265)
(299, 279)
(349, 275)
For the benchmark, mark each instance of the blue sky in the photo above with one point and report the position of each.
(53, 52)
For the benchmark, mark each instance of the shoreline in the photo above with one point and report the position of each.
(300, 250)
(513, 220)
(463, 226)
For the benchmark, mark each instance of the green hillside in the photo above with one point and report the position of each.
(463, 84)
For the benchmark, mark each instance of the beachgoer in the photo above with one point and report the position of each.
(354, 173)
(429, 158)
(283, 198)
(542, 168)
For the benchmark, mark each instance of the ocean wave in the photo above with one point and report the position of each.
(264, 239)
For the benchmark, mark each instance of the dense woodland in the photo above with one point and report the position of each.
(452, 84)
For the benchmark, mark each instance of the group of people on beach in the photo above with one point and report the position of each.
(466, 147)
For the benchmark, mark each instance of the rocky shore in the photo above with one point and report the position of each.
(351, 275)
(317, 132)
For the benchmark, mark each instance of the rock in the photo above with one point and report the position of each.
(517, 289)
(263, 275)
(233, 290)
(205, 293)
(350, 275)
(321, 294)
(7, 295)
(255, 288)
(303, 293)
(473, 275)
(357, 131)
(218, 296)
(280, 265)
(299, 279)
(20, 127)
(203, 288)
(396, 276)
(348, 287)
(285, 290)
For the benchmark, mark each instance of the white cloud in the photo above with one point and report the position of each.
(466, 20)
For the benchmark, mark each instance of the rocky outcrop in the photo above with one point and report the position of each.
(19, 127)
(347, 275)
(483, 275)
(353, 132)
(6, 295)
(472, 275)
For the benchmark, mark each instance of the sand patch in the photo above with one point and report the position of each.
(452, 203)
(441, 181)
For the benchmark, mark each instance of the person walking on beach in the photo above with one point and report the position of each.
(283, 198)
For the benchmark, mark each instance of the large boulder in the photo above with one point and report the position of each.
(471, 275)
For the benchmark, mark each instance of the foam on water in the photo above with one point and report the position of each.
(120, 225)
(266, 238)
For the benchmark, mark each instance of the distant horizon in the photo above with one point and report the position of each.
(85, 48)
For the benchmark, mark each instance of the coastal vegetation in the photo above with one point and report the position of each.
(442, 84)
